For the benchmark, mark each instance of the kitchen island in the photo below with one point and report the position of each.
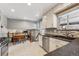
(51, 42)
(71, 49)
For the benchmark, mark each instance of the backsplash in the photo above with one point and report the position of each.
(65, 33)
(50, 31)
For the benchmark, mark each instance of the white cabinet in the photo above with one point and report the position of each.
(49, 21)
(44, 22)
(51, 44)
(40, 40)
(54, 20)
(56, 43)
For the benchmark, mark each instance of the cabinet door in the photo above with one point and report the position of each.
(48, 20)
(44, 22)
(40, 40)
(54, 20)
(52, 44)
(51, 21)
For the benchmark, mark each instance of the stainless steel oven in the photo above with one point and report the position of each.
(4, 47)
(4, 50)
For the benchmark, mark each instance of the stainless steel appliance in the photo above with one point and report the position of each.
(4, 46)
(45, 43)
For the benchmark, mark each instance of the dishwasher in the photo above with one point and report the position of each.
(45, 43)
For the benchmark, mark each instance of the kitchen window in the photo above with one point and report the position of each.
(70, 20)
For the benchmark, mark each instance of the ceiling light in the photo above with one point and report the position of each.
(12, 10)
(36, 15)
(45, 16)
(29, 4)
(25, 17)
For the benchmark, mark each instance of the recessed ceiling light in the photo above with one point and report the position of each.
(36, 15)
(12, 10)
(45, 16)
(29, 4)
(25, 18)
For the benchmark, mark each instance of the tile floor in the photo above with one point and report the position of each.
(26, 49)
(33, 49)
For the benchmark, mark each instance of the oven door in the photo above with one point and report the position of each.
(4, 50)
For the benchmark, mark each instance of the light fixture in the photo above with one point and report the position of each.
(36, 15)
(12, 10)
(29, 4)
(45, 16)
(25, 18)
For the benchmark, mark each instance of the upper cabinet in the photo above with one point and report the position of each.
(44, 21)
(49, 21)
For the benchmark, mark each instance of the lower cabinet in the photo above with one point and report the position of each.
(40, 40)
(51, 44)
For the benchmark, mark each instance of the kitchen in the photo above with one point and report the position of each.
(51, 32)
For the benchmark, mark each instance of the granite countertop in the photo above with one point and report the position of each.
(64, 32)
(69, 39)
(72, 49)
(55, 35)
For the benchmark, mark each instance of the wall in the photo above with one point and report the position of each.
(38, 25)
(20, 25)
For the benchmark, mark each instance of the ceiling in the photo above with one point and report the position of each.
(25, 11)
